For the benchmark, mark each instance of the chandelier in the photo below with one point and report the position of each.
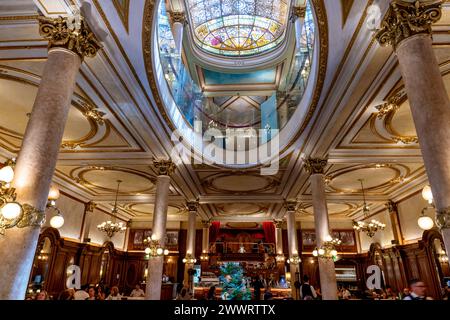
(189, 259)
(374, 225)
(204, 256)
(295, 259)
(111, 227)
(328, 249)
(154, 249)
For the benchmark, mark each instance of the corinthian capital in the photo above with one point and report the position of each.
(291, 206)
(443, 218)
(315, 165)
(406, 19)
(192, 206)
(177, 16)
(65, 33)
(164, 167)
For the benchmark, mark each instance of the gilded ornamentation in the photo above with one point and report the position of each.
(406, 19)
(90, 206)
(93, 113)
(391, 206)
(206, 223)
(278, 224)
(60, 32)
(164, 167)
(192, 206)
(443, 218)
(315, 165)
(291, 206)
(71, 146)
(177, 16)
(32, 217)
(406, 140)
(392, 105)
(298, 12)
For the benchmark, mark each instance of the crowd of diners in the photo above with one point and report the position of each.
(417, 290)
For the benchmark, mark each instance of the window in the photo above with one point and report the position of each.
(238, 27)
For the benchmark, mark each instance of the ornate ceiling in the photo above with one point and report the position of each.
(116, 125)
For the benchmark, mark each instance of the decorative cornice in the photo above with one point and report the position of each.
(443, 218)
(315, 165)
(164, 167)
(291, 206)
(406, 19)
(192, 206)
(177, 16)
(63, 33)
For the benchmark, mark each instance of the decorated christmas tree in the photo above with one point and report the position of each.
(234, 286)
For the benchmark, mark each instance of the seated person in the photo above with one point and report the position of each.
(115, 295)
(137, 292)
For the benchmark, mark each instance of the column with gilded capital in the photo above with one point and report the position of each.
(164, 169)
(395, 222)
(206, 224)
(327, 271)
(88, 212)
(298, 16)
(68, 46)
(294, 259)
(279, 246)
(407, 28)
(190, 242)
(178, 20)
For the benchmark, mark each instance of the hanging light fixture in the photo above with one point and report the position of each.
(374, 225)
(111, 227)
(57, 221)
(425, 222)
(154, 249)
(328, 249)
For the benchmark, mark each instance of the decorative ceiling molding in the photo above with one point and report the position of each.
(346, 8)
(123, 8)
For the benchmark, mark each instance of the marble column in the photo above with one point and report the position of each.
(291, 208)
(88, 212)
(164, 169)
(298, 14)
(190, 242)
(205, 236)
(327, 271)
(178, 21)
(407, 28)
(279, 246)
(395, 222)
(40, 148)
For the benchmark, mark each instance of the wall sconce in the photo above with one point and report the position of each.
(57, 221)
(280, 258)
(189, 259)
(154, 249)
(12, 213)
(425, 222)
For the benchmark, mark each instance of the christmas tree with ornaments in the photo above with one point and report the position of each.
(234, 286)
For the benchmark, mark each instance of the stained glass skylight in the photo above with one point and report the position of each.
(238, 27)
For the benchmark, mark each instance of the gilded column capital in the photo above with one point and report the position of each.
(71, 33)
(391, 206)
(206, 224)
(406, 19)
(315, 165)
(177, 16)
(291, 206)
(278, 224)
(192, 206)
(298, 12)
(90, 206)
(164, 167)
(443, 218)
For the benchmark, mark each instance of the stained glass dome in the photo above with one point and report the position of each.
(238, 27)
